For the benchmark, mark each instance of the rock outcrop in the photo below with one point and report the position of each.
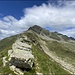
(21, 55)
(4, 61)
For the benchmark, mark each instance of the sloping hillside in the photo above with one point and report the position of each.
(62, 51)
(53, 52)
(5, 45)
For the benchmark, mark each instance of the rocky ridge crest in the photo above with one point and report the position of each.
(20, 57)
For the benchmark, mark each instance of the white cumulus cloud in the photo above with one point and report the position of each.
(59, 17)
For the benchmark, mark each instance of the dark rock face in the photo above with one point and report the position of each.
(72, 38)
(36, 29)
(20, 63)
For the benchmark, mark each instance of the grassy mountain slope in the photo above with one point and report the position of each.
(43, 63)
(62, 48)
(5, 45)
(46, 65)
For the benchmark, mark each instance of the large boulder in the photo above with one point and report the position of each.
(21, 54)
(22, 59)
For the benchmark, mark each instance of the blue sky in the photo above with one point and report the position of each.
(55, 15)
(16, 7)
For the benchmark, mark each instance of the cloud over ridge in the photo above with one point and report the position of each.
(60, 17)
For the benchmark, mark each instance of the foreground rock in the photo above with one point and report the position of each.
(20, 57)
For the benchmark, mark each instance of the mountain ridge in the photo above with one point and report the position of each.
(52, 55)
(54, 35)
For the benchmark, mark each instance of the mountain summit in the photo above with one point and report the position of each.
(53, 35)
(37, 51)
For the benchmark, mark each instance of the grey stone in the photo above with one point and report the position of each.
(21, 55)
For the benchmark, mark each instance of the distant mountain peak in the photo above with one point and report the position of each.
(35, 27)
(54, 35)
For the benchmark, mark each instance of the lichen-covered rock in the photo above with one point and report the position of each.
(16, 70)
(21, 55)
(4, 61)
(22, 59)
(10, 52)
